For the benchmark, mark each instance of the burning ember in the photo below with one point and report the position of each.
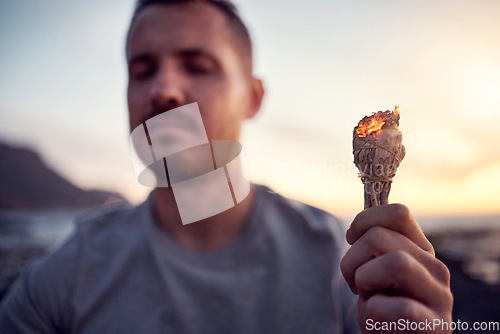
(375, 123)
(378, 151)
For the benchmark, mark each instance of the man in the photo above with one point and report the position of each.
(268, 265)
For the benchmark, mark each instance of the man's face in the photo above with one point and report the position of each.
(183, 53)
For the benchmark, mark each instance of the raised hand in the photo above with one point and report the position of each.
(392, 267)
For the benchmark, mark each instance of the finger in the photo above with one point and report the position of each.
(400, 271)
(396, 217)
(378, 241)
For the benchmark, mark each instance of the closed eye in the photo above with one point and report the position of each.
(198, 62)
(141, 67)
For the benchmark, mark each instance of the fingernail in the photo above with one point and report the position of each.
(348, 237)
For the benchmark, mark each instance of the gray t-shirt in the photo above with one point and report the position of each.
(121, 273)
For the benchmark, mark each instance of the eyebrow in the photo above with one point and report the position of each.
(194, 53)
(187, 53)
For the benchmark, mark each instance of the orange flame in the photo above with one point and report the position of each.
(374, 123)
(371, 125)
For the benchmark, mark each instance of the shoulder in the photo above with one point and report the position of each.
(102, 239)
(298, 216)
(111, 227)
(54, 286)
(97, 235)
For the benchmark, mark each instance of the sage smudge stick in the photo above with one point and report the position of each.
(378, 150)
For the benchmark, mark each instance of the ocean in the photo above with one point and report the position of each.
(45, 226)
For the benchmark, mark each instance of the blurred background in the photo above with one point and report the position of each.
(325, 65)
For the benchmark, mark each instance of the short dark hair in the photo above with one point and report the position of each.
(229, 10)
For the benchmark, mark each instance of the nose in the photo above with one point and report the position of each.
(167, 91)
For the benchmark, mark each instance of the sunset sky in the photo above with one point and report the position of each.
(325, 65)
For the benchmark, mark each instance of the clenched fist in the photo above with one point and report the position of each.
(392, 267)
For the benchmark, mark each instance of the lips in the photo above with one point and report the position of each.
(176, 130)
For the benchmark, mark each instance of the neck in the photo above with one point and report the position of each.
(205, 235)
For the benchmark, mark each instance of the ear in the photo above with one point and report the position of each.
(256, 95)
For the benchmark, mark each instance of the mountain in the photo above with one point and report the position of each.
(27, 182)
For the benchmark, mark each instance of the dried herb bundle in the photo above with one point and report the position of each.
(378, 151)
